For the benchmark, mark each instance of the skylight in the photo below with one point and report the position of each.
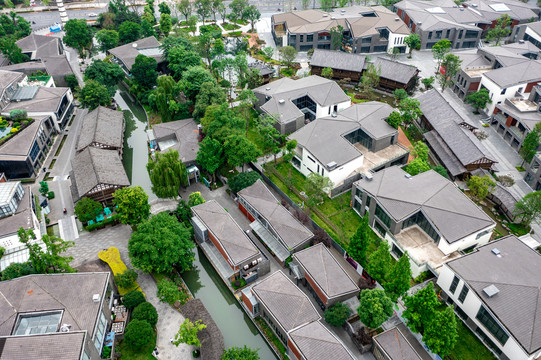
(38, 323)
(436, 10)
(499, 7)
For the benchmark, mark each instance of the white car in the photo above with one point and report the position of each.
(92, 15)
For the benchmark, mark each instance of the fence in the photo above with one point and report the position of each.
(346, 186)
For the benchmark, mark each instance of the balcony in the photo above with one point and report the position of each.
(516, 132)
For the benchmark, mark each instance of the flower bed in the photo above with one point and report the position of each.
(112, 257)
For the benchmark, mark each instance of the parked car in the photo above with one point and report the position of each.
(92, 15)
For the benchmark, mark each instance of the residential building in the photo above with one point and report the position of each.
(533, 175)
(451, 138)
(23, 154)
(492, 10)
(17, 210)
(37, 96)
(102, 128)
(354, 142)
(125, 55)
(323, 275)
(97, 174)
(528, 32)
(442, 19)
(495, 290)
(515, 117)
(271, 222)
(181, 135)
(425, 215)
(266, 72)
(393, 75)
(296, 102)
(393, 345)
(54, 316)
(229, 248)
(364, 29)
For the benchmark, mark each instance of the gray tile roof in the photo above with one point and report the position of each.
(285, 301)
(524, 72)
(226, 231)
(103, 126)
(516, 9)
(44, 46)
(292, 232)
(94, 166)
(452, 213)
(21, 219)
(395, 345)
(9, 77)
(315, 342)
(186, 133)
(20, 144)
(510, 54)
(69, 292)
(516, 275)
(324, 138)
(326, 272)
(127, 53)
(535, 27)
(43, 347)
(338, 60)
(395, 71)
(47, 99)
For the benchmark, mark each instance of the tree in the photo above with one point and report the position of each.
(288, 54)
(209, 94)
(400, 94)
(379, 263)
(107, 39)
(94, 94)
(133, 205)
(439, 50)
(252, 14)
(215, 7)
(170, 293)
(480, 187)
(187, 333)
(167, 173)
(202, 8)
(326, 5)
(305, 4)
(409, 110)
(247, 101)
(451, 65)
(427, 82)
(78, 35)
(531, 143)
(87, 209)
(47, 258)
(195, 199)
(441, 170)
(9, 48)
(161, 243)
(501, 30)
(270, 137)
(166, 98)
(337, 36)
(421, 308)
(180, 59)
(193, 79)
(398, 279)
(370, 77)
(185, 8)
(138, 334)
(132, 299)
(72, 82)
(269, 51)
(222, 10)
(165, 23)
(239, 150)
(417, 166)
(327, 73)
(105, 73)
(144, 71)
(375, 308)
(129, 32)
(420, 150)
(413, 41)
(337, 314)
(15, 26)
(237, 353)
(15, 270)
(441, 333)
(528, 208)
(145, 312)
(479, 99)
(126, 279)
(210, 156)
(43, 188)
(316, 188)
(243, 180)
(360, 240)
(237, 9)
(394, 119)
(221, 122)
(192, 23)
(164, 8)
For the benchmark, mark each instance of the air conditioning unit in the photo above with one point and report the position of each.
(281, 101)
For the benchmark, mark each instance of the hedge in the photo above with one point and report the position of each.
(110, 220)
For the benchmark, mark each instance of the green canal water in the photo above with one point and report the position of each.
(237, 328)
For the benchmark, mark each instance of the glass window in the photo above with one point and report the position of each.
(482, 233)
(382, 215)
(430, 35)
(366, 40)
(85, 356)
(357, 205)
(100, 332)
(463, 293)
(454, 284)
(397, 251)
(420, 220)
(359, 193)
(359, 136)
(492, 325)
(380, 228)
(35, 151)
(309, 38)
(38, 323)
(460, 34)
(368, 198)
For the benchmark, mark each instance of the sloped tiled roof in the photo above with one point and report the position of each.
(128, 52)
(47, 99)
(103, 126)
(395, 345)
(43, 346)
(186, 133)
(337, 60)
(316, 342)
(521, 73)
(21, 144)
(395, 71)
(285, 301)
(44, 46)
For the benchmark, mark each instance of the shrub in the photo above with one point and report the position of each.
(337, 314)
(50, 195)
(243, 180)
(2, 251)
(146, 312)
(112, 219)
(15, 270)
(138, 334)
(16, 124)
(13, 130)
(126, 279)
(106, 354)
(133, 298)
(169, 292)
(71, 81)
(17, 114)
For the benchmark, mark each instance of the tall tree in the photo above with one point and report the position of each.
(14, 26)
(144, 71)
(9, 48)
(164, 8)
(360, 240)
(167, 173)
(375, 307)
(106, 73)
(195, 199)
(221, 122)
(247, 101)
(210, 156)
(166, 98)
(87, 209)
(441, 332)
(394, 119)
(107, 39)
(528, 209)
(93, 94)
(379, 262)
(160, 244)
(252, 14)
(185, 8)
(370, 77)
(409, 110)
(133, 205)
(78, 35)
(337, 36)
(165, 24)
(192, 24)
(209, 94)
(531, 143)
(421, 308)
(478, 99)
(288, 54)
(239, 150)
(237, 9)
(48, 258)
(316, 188)
(501, 30)
(439, 50)
(187, 333)
(326, 5)
(128, 32)
(413, 41)
(202, 8)
(398, 279)
(270, 137)
(480, 187)
(215, 6)
(193, 79)
(451, 66)
(180, 59)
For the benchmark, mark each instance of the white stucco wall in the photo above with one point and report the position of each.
(495, 92)
(322, 111)
(396, 40)
(465, 242)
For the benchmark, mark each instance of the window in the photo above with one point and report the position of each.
(359, 193)
(460, 34)
(503, 91)
(487, 341)
(311, 159)
(420, 220)
(85, 356)
(38, 323)
(366, 40)
(463, 293)
(397, 251)
(365, 49)
(380, 48)
(35, 151)
(100, 332)
(438, 34)
(482, 233)
(309, 38)
(368, 198)
(357, 205)
(385, 219)
(448, 33)
(492, 325)
(380, 228)
(471, 34)
(430, 35)
(454, 284)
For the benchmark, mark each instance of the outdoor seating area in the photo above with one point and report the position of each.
(101, 217)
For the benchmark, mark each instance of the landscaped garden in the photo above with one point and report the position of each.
(469, 346)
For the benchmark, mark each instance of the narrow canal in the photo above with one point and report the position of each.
(203, 281)
(237, 328)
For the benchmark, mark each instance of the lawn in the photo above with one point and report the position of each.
(469, 346)
(129, 354)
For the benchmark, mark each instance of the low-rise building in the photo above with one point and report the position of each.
(125, 55)
(102, 128)
(393, 345)
(55, 316)
(266, 72)
(533, 175)
(451, 137)
(231, 251)
(528, 32)
(23, 154)
(344, 146)
(425, 215)
(495, 291)
(272, 222)
(364, 29)
(293, 103)
(326, 279)
(181, 135)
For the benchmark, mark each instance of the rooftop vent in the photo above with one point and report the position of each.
(368, 177)
(396, 19)
(419, 23)
(491, 290)
(267, 88)
(281, 101)
(96, 298)
(333, 114)
(496, 252)
(134, 45)
(474, 5)
(521, 41)
(332, 165)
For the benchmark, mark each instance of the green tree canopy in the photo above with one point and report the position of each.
(210, 156)
(252, 14)
(337, 314)
(316, 188)
(146, 312)
(43, 188)
(107, 39)
(237, 9)
(14, 26)
(164, 8)
(370, 77)
(480, 187)
(144, 71)
(375, 308)
(451, 65)
(78, 35)
(417, 166)
(421, 308)
(129, 32)
(327, 73)
(187, 333)
(394, 119)
(409, 110)
(439, 50)
(413, 41)
(165, 23)
(243, 180)
(288, 54)
(209, 94)
(170, 292)
(220, 122)
(180, 59)
(15, 270)
(105, 73)
(161, 243)
(528, 209)
(398, 279)
(238, 353)
(94, 94)
(239, 150)
(185, 8)
(87, 209)
(337, 37)
(47, 258)
(360, 240)
(479, 99)
(501, 30)
(133, 299)
(167, 173)
(9, 48)
(193, 79)
(132, 205)
(195, 199)
(441, 333)
(379, 262)
(126, 279)
(138, 334)
(531, 143)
